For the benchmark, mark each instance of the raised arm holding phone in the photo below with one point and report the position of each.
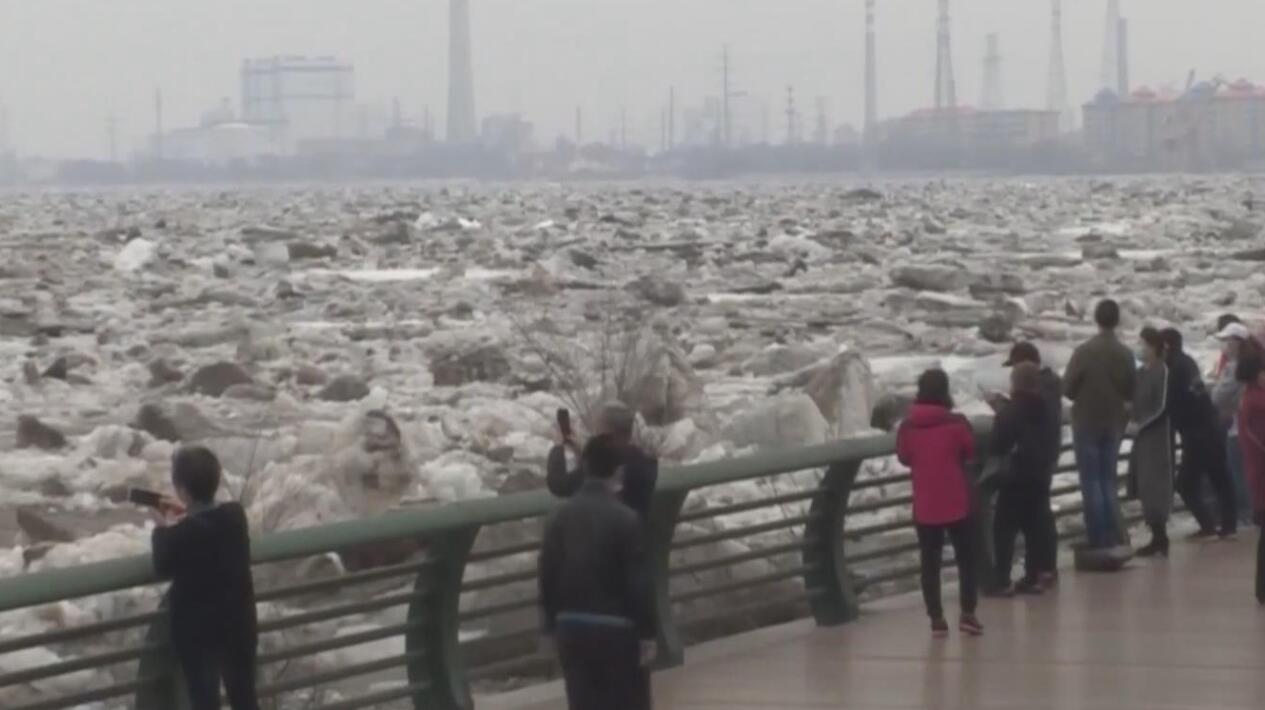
(638, 475)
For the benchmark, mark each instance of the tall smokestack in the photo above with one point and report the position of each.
(1056, 88)
(1122, 46)
(461, 121)
(991, 94)
(1111, 49)
(871, 73)
(946, 86)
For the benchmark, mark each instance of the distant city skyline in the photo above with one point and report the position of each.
(67, 65)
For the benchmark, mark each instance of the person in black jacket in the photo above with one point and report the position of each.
(1021, 436)
(206, 555)
(1046, 557)
(595, 590)
(1195, 418)
(640, 473)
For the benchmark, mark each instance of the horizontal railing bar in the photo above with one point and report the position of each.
(722, 511)
(95, 629)
(877, 528)
(500, 666)
(89, 696)
(77, 664)
(872, 506)
(507, 551)
(378, 698)
(764, 553)
(335, 612)
(346, 580)
(500, 580)
(740, 610)
(352, 671)
(743, 584)
(881, 553)
(881, 481)
(496, 609)
(338, 642)
(746, 531)
(895, 574)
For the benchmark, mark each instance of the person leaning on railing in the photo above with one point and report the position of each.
(1251, 372)
(640, 470)
(206, 555)
(595, 592)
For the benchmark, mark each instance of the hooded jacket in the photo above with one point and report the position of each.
(1052, 395)
(935, 444)
(1021, 432)
(1252, 441)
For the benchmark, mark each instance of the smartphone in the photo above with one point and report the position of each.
(146, 498)
(564, 423)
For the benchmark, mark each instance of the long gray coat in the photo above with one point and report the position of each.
(1151, 463)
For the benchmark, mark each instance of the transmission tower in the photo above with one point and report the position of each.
(821, 131)
(871, 73)
(1056, 88)
(946, 87)
(991, 98)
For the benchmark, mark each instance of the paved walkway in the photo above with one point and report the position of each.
(1185, 633)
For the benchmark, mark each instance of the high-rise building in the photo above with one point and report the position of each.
(946, 86)
(1110, 78)
(462, 124)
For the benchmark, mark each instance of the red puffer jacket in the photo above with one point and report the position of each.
(935, 444)
(1252, 440)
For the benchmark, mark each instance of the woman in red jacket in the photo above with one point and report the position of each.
(935, 443)
(1251, 372)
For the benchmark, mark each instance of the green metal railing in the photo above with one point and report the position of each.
(822, 532)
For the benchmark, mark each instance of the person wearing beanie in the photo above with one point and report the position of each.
(1020, 438)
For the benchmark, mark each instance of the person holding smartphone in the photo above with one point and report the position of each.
(640, 471)
(595, 593)
(204, 549)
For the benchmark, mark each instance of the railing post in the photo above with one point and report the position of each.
(166, 691)
(984, 493)
(434, 616)
(664, 513)
(834, 601)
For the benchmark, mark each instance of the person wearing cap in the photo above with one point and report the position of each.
(640, 471)
(1099, 381)
(1045, 556)
(1227, 392)
(1194, 416)
(1021, 438)
(1151, 459)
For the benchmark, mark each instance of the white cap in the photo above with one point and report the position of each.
(1234, 330)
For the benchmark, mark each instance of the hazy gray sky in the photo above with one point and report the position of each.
(67, 64)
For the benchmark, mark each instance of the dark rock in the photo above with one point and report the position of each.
(1241, 230)
(889, 410)
(995, 282)
(39, 529)
(520, 481)
(286, 291)
(221, 271)
(1250, 255)
(1100, 252)
(34, 434)
(485, 363)
(309, 376)
(308, 250)
(251, 393)
(35, 553)
(940, 278)
(162, 373)
(58, 370)
(996, 328)
(152, 420)
(863, 194)
(213, 380)
(344, 388)
(398, 233)
(659, 291)
(583, 260)
(501, 454)
(30, 372)
(54, 488)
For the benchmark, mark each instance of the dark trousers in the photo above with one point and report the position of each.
(1045, 553)
(1022, 506)
(931, 547)
(601, 667)
(1260, 560)
(1204, 456)
(205, 664)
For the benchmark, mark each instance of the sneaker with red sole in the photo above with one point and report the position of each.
(939, 628)
(970, 625)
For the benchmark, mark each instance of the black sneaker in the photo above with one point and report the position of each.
(1202, 536)
(1152, 549)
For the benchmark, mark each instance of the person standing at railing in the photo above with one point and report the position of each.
(1099, 381)
(1151, 460)
(206, 555)
(595, 590)
(1045, 558)
(1021, 439)
(640, 470)
(1250, 370)
(1236, 342)
(1203, 444)
(936, 444)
